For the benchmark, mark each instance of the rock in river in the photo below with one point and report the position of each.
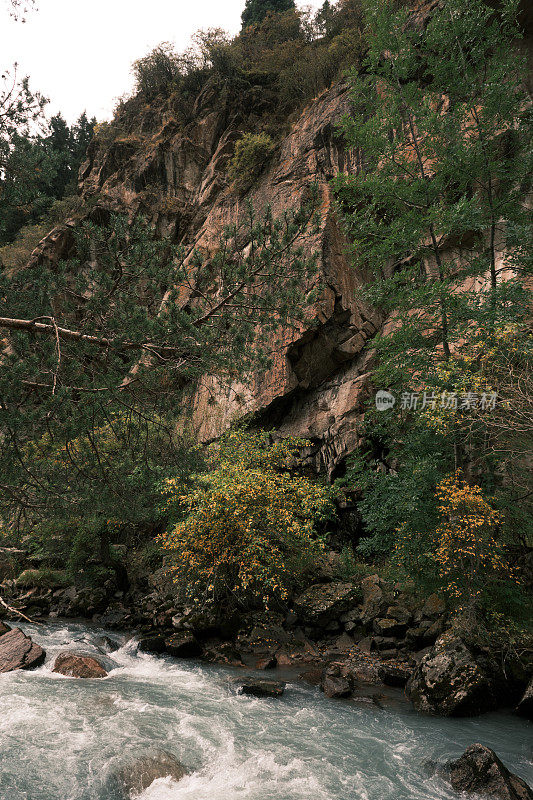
(183, 645)
(17, 651)
(136, 775)
(479, 771)
(77, 666)
(336, 686)
(262, 688)
(393, 675)
(450, 682)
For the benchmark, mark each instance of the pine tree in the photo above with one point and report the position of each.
(59, 143)
(443, 129)
(119, 331)
(324, 18)
(81, 134)
(69, 146)
(40, 169)
(25, 189)
(439, 218)
(256, 10)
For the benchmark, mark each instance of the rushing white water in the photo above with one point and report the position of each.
(60, 737)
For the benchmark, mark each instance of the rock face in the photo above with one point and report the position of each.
(175, 173)
(324, 602)
(479, 771)
(450, 682)
(17, 651)
(138, 774)
(77, 666)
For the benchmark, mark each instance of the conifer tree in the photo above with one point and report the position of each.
(256, 10)
(443, 128)
(122, 329)
(439, 215)
(40, 169)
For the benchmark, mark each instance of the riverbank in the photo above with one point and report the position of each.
(350, 639)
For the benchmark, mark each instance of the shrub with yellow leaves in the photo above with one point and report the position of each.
(465, 548)
(468, 553)
(247, 530)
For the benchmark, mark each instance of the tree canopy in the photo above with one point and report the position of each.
(255, 11)
(39, 168)
(124, 326)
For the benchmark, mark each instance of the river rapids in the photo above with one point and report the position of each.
(61, 738)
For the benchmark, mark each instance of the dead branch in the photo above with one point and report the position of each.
(18, 611)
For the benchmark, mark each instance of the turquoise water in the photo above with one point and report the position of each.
(60, 737)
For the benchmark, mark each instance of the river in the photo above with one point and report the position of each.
(61, 737)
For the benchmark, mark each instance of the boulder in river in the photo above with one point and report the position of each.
(268, 662)
(261, 688)
(152, 642)
(183, 645)
(336, 682)
(336, 686)
(136, 775)
(451, 682)
(479, 771)
(17, 651)
(107, 644)
(393, 675)
(77, 666)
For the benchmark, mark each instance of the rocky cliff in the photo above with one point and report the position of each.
(176, 174)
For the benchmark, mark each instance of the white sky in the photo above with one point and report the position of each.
(79, 54)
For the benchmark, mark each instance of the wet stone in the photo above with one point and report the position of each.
(261, 688)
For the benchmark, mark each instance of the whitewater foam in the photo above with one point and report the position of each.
(61, 738)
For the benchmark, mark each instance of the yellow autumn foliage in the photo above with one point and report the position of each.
(247, 529)
(465, 548)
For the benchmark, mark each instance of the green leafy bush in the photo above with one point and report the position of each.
(349, 568)
(43, 578)
(251, 154)
(157, 72)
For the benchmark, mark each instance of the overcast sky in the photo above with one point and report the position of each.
(79, 54)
